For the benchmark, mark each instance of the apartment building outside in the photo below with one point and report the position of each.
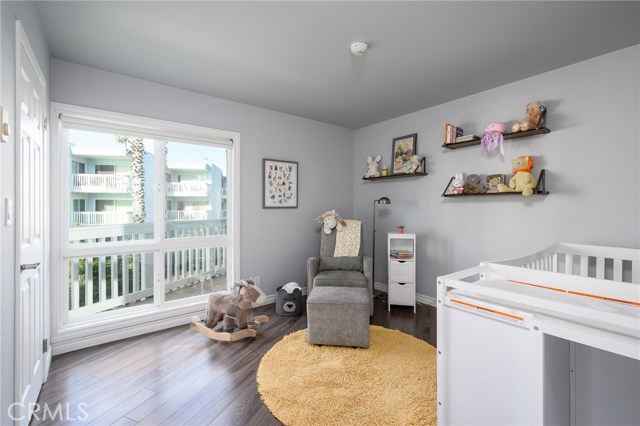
(101, 188)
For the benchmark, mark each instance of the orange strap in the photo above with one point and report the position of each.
(577, 293)
(482, 308)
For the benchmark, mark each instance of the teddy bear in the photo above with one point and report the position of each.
(522, 180)
(534, 117)
(413, 165)
(330, 219)
(373, 166)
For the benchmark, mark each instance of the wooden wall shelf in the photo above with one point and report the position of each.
(400, 175)
(506, 136)
(539, 190)
(396, 176)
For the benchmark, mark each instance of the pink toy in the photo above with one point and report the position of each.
(492, 137)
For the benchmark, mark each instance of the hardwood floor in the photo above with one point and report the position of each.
(179, 377)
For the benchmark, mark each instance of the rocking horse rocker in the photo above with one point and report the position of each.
(236, 313)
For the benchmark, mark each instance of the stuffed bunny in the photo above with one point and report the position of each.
(373, 166)
(457, 184)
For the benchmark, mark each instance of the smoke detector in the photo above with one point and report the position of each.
(358, 48)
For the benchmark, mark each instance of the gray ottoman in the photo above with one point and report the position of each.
(338, 316)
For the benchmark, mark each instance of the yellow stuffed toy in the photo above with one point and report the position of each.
(522, 180)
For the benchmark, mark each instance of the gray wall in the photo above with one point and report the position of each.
(591, 156)
(28, 15)
(275, 243)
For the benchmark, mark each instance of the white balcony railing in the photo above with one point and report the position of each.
(188, 215)
(101, 218)
(187, 189)
(118, 183)
(100, 283)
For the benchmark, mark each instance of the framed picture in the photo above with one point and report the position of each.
(279, 184)
(403, 148)
(493, 181)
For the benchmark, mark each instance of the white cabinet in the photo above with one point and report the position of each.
(401, 255)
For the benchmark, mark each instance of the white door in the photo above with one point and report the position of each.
(32, 310)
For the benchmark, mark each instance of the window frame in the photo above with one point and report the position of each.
(68, 333)
(101, 172)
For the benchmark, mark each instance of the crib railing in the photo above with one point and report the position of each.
(608, 263)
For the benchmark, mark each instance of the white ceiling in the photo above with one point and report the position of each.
(294, 57)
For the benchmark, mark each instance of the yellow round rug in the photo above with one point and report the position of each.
(393, 382)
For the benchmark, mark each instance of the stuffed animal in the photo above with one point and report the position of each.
(522, 180)
(492, 183)
(330, 219)
(534, 117)
(236, 311)
(457, 184)
(492, 137)
(413, 164)
(373, 166)
(472, 185)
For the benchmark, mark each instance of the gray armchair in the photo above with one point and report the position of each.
(329, 271)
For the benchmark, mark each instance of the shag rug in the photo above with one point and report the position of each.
(393, 382)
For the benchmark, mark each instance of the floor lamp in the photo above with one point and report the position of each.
(382, 200)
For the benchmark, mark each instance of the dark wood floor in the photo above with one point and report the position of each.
(179, 377)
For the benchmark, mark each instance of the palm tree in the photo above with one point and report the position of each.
(136, 152)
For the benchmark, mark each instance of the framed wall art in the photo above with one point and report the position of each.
(403, 148)
(280, 184)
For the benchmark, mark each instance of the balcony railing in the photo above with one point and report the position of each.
(100, 283)
(187, 189)
(101, 218)
(93, 183)
(173, 215)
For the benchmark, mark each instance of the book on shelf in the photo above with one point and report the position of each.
(401, 254)
(465, 138)
(451, 132)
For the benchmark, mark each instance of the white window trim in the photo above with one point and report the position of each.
(70, 335)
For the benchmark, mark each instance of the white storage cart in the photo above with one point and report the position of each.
(552, 338)
(401, 258)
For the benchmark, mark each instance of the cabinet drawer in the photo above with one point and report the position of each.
(402, 294)
(402, 272)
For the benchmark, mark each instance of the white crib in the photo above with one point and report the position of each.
(552, 338)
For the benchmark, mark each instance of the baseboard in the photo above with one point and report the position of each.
(420, 298)
(62, 344)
